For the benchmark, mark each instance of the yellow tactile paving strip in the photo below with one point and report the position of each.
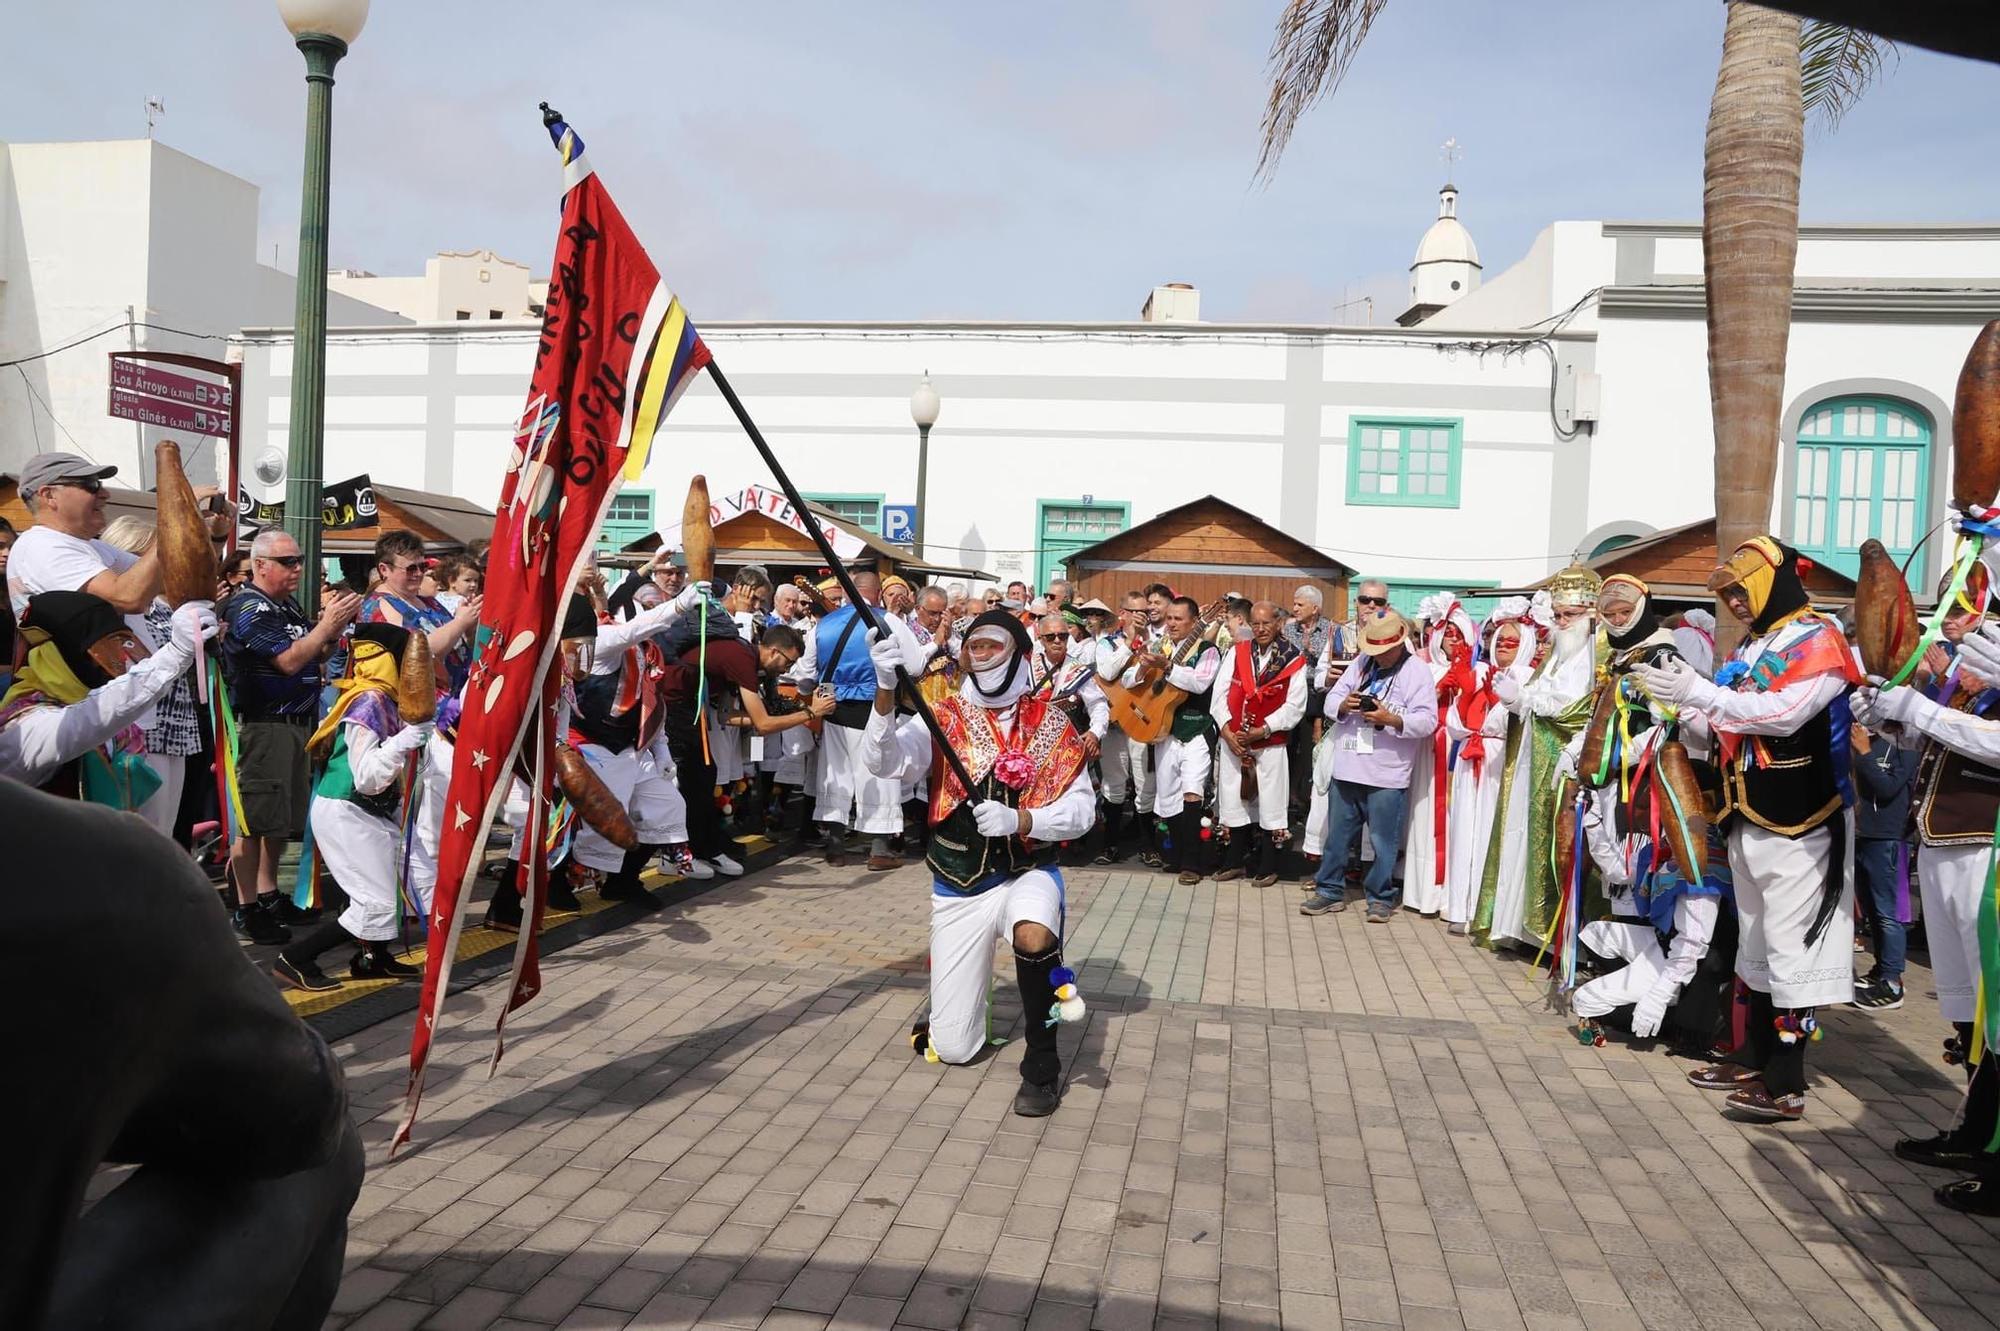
(477, 941)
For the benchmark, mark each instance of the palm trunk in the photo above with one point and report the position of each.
(1750, 244)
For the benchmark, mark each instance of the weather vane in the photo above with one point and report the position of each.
(1451, 152)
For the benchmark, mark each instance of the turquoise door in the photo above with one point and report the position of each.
(1863, 467)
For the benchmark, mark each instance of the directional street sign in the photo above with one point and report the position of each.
(169, 414)
(145, 393)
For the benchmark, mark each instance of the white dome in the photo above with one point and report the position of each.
(1447, 242)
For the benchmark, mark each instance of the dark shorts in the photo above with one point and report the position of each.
(272, 776)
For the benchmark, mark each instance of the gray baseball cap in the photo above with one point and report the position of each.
(45, 469)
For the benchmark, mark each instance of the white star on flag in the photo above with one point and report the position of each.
(479, 759)
(459, 817)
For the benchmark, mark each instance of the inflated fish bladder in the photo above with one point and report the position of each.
(1885, 614)
(189, 570)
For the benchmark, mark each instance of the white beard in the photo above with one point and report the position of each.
(1578, 637)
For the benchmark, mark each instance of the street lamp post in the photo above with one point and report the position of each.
(323, 30)
(924, 411)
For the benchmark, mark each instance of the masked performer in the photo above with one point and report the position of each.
(1260, 694)
(1958, 804)
(1779, 712)
(357, 814)
(1030, 785)
(1477, 722)
(71, 722)
(1518, 891)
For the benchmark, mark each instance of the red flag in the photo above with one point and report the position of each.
(616, 350)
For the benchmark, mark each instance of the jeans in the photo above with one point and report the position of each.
(1875, 883)
(1349, 805)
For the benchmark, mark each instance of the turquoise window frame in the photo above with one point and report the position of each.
(1045, 564)
(1402, 498)
(617, 533)
(1405, 593)
(1879, 448)
(826, 499)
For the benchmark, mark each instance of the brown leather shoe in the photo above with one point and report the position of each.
(883, 863)
(1268, 880)
(1188, 878)
(1753, 1101)
(1229, 875)
(1724, 1077)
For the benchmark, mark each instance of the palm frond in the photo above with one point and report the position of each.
(1836, 66)
(1315, 42)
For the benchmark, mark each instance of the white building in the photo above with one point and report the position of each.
(457, 286)
(1557, 408)
(135, 238)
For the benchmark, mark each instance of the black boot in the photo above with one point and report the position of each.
(503, 912)
(1041, 1068)
(1187, 844)
(1267, 858)
(298, 962)
(376, 961)
(1235, 854)
(1109, 824)
(562, 893)
(1152, 853)
(1963, 1144)
(625, 885)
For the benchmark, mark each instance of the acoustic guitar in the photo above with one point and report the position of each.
(1145, 710)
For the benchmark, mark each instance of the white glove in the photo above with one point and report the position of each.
(1981, 651)
(1650, 1012)
(411, 737)
(1673, 683)
(1901, 706)
(690, 597)
(191, 623)
(995, 819)
(886, 654)
(1507, 688)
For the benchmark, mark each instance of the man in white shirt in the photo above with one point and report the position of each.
(61, 553)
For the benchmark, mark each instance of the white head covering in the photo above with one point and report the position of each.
(1005, 682)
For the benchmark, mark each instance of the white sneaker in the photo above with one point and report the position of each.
(672, 867)
(727, 867)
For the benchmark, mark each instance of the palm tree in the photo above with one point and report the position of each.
(1774, 71)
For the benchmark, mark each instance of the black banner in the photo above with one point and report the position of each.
(348, 504)
(342, 507)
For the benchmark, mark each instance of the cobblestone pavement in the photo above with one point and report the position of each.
(713, 1118)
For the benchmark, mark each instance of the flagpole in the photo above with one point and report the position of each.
(906, 686)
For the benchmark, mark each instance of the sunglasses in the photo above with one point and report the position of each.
(90, 486)
(1055, 637)
(283, 561)
(1372, 600)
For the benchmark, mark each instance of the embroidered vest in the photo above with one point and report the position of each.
(1252, 699)
(959, 857)
(1790, 784)
(1958, 799)
(1191, 718)
(337, 781)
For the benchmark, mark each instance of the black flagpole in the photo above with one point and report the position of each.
(906, 686)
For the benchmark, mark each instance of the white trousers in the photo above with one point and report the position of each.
(1638, 946)
(1180, 770)
(963, 931)
(165, 806)
(1778, 882)
(643, 781)
(1125, 769)
(364, 854)
(1951, 879)
(1271, 810)
(434, 780)
(1423, 886)
(848, 794)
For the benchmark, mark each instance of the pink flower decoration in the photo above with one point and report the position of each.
(1014, 770)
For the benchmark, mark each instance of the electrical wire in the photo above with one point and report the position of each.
(119, 327)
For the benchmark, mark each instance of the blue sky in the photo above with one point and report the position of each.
(1035, 160)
